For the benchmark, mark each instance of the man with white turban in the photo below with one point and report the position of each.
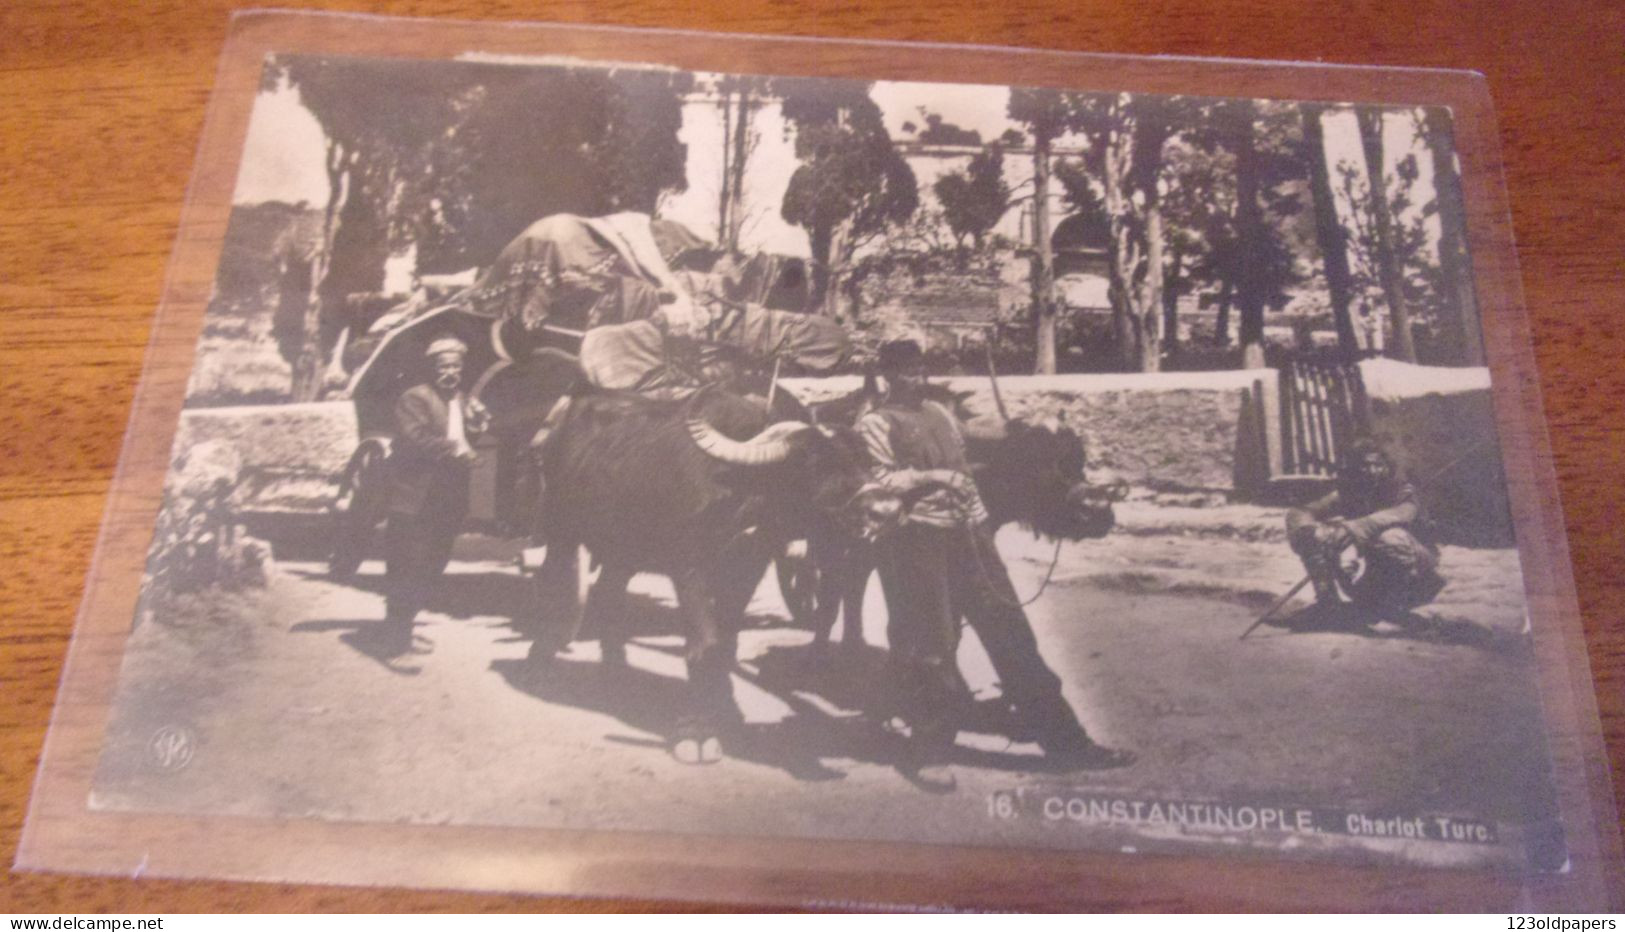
(429, 462)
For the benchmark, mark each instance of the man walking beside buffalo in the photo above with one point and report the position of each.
(941, 565)
(428, 490)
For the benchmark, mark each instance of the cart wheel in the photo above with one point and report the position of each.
(798, 583)
(359, 510)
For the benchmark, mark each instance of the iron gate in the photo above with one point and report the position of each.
(1323, 407)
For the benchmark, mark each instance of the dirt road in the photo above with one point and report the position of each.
(287, 705)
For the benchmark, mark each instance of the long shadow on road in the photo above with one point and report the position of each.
(1405, 626)
(476, 594)
(809, 680)
(651, 703)
(1429, 624)
(461, 596)
(371, 638)
(799, 745)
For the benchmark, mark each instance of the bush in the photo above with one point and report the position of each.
(197, 543)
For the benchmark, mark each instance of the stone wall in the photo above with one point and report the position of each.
(1440, 424)
(1197, 431)
(1168, 430)
(1173, 431)
(291, 455)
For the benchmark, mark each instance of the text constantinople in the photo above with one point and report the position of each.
(1209, 817)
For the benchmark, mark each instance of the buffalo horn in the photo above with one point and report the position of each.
(772, 445)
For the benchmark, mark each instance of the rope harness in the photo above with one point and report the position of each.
(969, 530)
(987, 577)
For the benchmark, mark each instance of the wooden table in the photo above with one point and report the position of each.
(103, 108)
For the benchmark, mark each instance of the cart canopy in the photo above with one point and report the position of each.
(580, 272)
(567, 275)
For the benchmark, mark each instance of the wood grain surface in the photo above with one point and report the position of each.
(103, 110)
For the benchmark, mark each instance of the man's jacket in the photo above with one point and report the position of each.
(426, 477)
(1367, 511)
(904, 439)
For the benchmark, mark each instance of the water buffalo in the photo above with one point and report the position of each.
(1030, 474)
(706, 492)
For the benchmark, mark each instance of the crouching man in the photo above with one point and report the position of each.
(1374, 510)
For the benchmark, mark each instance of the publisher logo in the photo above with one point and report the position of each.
(172, 747)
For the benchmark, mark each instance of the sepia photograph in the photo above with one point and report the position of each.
(611, 447)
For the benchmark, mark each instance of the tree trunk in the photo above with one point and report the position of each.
(818, 243)
(830, 306)
(294, 293)
(1124, 246)
(840, 248)
(1133, 164)
(307, 367)
(725, 195)
(1388, 270)
(1250, 235)
(1455, 267)
(1171, 289)
(736, 107)
(1043, 273)
(1151, 286)
(307, 371)
(1221, 323)
(741, 144)
(1329, 232)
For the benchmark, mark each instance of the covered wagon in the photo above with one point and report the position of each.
(523, 320)
(566, 287)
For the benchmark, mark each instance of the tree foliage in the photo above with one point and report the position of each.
(1126, 135)
(458, 158)
(613, 147)
(1210, 192)
(1045, 112)
(455, 159)
(1080, 192)
(1417, 268)
(973, 200)
(851, 184)
(1232, 189)
(385, 127)
(938, 132)
(1391, 251)
(1165, 176)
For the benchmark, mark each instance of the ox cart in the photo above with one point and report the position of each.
(525, 321)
